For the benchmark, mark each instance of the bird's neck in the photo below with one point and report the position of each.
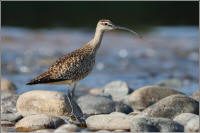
(96, 41)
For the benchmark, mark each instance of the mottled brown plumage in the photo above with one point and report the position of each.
(69, 68)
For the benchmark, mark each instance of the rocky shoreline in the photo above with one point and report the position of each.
(114, 107)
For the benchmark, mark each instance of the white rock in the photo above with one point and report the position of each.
(36, 122)
(148, 124)
(189, 121)
(114, 121)
(7, 85)
(117, 89)
(49, 102)
(171, 106)
(92, 104)
(67, 128)
(148, 95)
(172, 83)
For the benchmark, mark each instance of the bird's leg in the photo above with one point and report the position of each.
(73, 89)
(68, 90)
(69, 96)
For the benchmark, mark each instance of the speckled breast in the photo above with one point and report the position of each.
(83, 68)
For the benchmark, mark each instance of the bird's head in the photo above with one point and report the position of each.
(107, 25)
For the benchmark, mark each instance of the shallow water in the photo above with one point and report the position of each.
(163, 53)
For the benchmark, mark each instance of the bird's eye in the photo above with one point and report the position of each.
(105, 23)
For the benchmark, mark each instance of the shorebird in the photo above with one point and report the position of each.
(76, 65)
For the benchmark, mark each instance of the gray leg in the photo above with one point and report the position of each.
(73, 89)
(68, 89)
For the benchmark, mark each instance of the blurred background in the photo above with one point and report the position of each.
(35, 34)
(86, 14)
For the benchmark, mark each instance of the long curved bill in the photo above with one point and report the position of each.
(126, 29)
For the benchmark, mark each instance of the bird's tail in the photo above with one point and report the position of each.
(32, 82)
(43, 78)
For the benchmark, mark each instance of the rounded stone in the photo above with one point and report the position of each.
(44, 130)
(121, 107)
(193, 125)
(148, 95)
(51, 103)
(36, 122)
(103, 131)
(8, 129)
(189, 121)
(120, 131)
(95, 91)
(172, 83)
(171, 106)
(8, 102)
(12, 117)
(147, 124)
(7, 85)
(7, 123)
(114, 121)
(67, 128)
(117, 89)
(46, 102)
(196, 95)
(93, 105)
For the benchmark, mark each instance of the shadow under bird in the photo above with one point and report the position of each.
(76, 65)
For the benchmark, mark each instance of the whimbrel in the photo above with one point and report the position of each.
(78, 64)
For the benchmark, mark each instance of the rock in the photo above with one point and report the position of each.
(120, 131)
(8, 102)
(114, 121)
(39, 101)
(7, 85)
(117, 89)
(121, 107)
(118, 113)
(95, 91)
(148, 95)
(12, 117)
(67, 128)
(7, 123)
(84, 130)
(49, 102)
(134, 113)
(172, 83)
(193, 125)
(44, 130)
(184, 118)
(94, 105)
(126, 100)
(171, 106)
(103, 131)
(147, 124)
(7, 129)
(36, 122)
(196, 95)
(189, 121)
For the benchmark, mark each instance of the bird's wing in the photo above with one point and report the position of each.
(61, 70)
